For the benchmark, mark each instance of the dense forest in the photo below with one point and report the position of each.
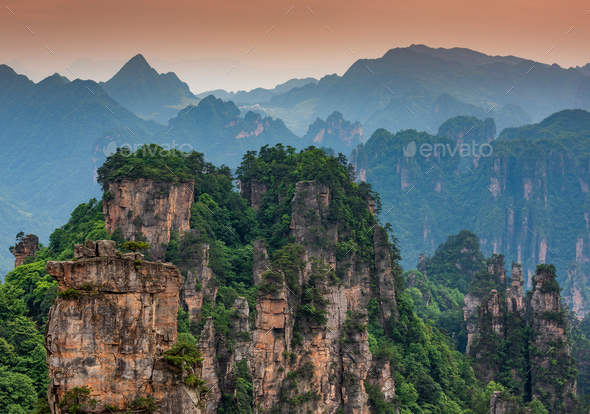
(425, 344)
(526, 198)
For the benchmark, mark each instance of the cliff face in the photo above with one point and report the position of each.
(486, 311)
(198, 281)
(147, 210)
(28, 246)
(531, 334)
(334, 132)
(499, 404)
(306, 349)
(299, 357)
(253, 191)
(109, 328)
(550, 350)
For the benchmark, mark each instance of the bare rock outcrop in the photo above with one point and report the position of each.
(497, 323)
(503, 404)
(254, 192)
(27, 246)
(261, 260)
(197, 284)
(145, 209)
(114, 318)
(515, 293)
(550, 349)
(314, 356)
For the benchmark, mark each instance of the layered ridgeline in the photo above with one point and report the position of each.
(69, 127)
(147, 93)
(54, 134)
(291, 299)
(527, 344)
(217, 129)
(525, 198)
(420, 87)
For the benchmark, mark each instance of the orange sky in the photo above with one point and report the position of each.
(211, 36)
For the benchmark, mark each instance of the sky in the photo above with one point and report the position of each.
(240, 45)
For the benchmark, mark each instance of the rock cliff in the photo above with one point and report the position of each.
(310, 350)
(145, 209)
(114, 318)
(334, 132)
(532, 334)
(551, 380)
(27, 246)
(253, 191)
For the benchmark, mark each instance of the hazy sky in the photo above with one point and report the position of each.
(202, 40)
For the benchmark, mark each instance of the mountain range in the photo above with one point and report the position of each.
(525, 194)
(147, 93)
(56, 133)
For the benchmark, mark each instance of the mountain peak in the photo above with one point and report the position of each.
(136, 63)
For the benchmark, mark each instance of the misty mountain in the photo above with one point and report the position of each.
(259, 95)
(215, 128)
(573, 121)
(335, 132)
(526, 195)
(419, 87)
(54, 134)
(464, 56)
(584, 69)
(147, 93)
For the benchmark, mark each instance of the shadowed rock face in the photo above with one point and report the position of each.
(146, 209)
(28, 246)
(330, 370)
(254, 192)
(537, 358)
(111, 331)
(500, 404)
(550, 343)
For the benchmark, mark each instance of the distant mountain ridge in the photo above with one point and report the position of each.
(148, 94)
(53, 136)
(259, 95)
(215, 128)
(527, 195)
(68, 127)
(405, 88)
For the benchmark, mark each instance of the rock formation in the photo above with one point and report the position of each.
(299, 359)
(114, 318)
(503, 404)
(26, 247)
(306, 349)
(199, 275)
(497, 322)
(551, 380)
(254, 192)
(145, 209)
(334, 132)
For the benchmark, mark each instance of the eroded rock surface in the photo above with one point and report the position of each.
(28, 246)
(109, 328)
(147, 209)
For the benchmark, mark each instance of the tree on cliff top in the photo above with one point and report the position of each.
(154, 162)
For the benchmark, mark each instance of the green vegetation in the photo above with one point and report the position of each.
(69, 294)
(183, 355)
(241, 401)
(536, 179)
(150, 162)
(76, 399)
(145, 405)
(424, 343)
(135, 246)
